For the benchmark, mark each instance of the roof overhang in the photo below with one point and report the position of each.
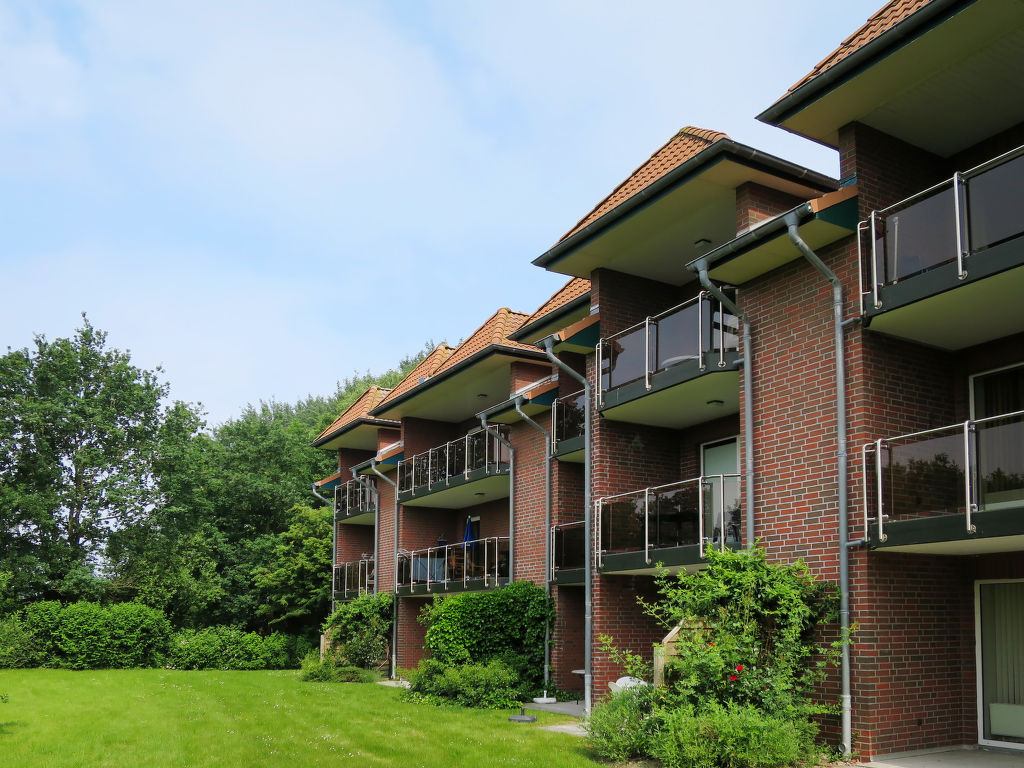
(942, 80)
(329, 483)
(767, 246)
(360, 434)
(456, 394)
(580, 337)
(533, 401)
(652, 233)
(543, 326)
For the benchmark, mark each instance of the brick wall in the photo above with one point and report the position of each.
(567, 638)
(755, 203)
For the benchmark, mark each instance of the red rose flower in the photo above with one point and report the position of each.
(734, 677)
(739, 667)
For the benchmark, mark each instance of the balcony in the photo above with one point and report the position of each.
(356, 502)
(669, 524)
(955, 490)
(674, 369)
(945, 267)
(568, 414)
(568, 553)
(353, 578)
(464, 567)
(459, 474)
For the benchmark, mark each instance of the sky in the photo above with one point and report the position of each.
(265, 198)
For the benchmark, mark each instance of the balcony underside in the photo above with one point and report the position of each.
(434, 588)
(571, 450)
(357, 518)
(1000, 530)
(672, 559)
(461, 491)
(937, 309)
(569, 577)
(679, 396)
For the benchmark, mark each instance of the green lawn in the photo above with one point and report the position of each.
(170, 719)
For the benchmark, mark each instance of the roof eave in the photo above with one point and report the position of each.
(745, 154)
(914, 25)
(550, 317)
(324, 439)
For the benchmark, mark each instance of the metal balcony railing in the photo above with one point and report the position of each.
(954, 220)
(567, 547)
(977, 465)
(442, 566)
(452, 460)
(704, 511)
(354, 578)
(355, 496)
(698, 329)
(567, 417)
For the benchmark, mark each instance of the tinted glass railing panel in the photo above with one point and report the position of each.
(623, 358)
(924, 477)
(569, 551)
(994, 204)
(1000, 456)
(478, 559)
(439, 464)
(570, 415)
(918, 237)
(355, 496)
(354, 577)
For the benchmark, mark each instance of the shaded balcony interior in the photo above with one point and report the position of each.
(459, 567)
(568, 552)
(353, 578)
(470, 470)
(945, 267)
(671, 525)
(674, 369)
(356, 501)
(955, 490)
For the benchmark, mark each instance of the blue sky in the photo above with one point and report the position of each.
(266, 197)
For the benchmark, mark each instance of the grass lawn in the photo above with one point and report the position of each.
(171, 719)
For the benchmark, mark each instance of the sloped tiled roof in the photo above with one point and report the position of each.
(360, 409)
(576, 287)
(427, 368)
(494, 331)
(882, 21)
(686, 144)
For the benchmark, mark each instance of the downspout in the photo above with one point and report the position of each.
(547, 530)
(376, 525)
(700, 266)
(793, 227)
(334, 539)
(511, 495)
(588, 576)
(394, 602)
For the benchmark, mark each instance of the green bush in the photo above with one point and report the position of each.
(139, 635)
(230, 648)
(329, 670)
(18, 646)
(505, 625)
(43, 619)
(623, 726)
(733, 737)
(83, 637)
(485, 686)
(360, 630)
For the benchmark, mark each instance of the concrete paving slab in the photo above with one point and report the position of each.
(970, 757)
(559, 707)
(571, 728)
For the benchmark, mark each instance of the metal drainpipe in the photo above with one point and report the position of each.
(394, 601)
(376, 525)
(701, 268)
(511, 497)
(334, 539)
(793, 227)
(588, 576)
(547, 528)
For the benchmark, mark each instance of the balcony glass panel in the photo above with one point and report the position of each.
(1000, 450)
(570, 414)
(353, 578)
(690, 331)
(457, 458)
(568, 551)
(925, 477)
(355, 496)
(455, 563)
(994, 204)
(918, 237)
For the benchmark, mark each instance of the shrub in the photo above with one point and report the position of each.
(42, 619)
(329, 670)
(83, 637)
(139, 635)
(623, 726)
(360, 630)
(230, 648)
(485, 686)
(505, 625)
(18, 646)
(733, 737)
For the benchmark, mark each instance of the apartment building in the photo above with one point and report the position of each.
(832, 367)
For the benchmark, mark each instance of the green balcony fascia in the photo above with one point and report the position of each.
(571, 449)
(999, 530)
(569, 577)
(686, 557)
(452, 492)
(456, 585)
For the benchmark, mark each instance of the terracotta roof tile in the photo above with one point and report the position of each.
(882, 21)
(686, 144)
(576, 287)
(360, 409)
(427, 368)
(494, 331)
